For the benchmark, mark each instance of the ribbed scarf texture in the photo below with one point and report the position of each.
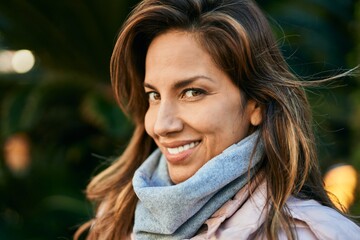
(168, 211)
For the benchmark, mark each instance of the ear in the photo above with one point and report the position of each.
(255, 113)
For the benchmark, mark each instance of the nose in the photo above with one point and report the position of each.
(168, 119)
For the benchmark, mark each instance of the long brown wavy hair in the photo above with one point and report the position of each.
(238, 37)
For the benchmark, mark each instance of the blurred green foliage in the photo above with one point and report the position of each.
(65, 106)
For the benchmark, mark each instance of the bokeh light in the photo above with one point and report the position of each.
(341, 182)
(17, 153)
(20, 61)
(23, 61)
(5, 61)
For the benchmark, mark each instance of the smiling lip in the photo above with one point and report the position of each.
(177, 152)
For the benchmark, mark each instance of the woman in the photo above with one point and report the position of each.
(223, 146)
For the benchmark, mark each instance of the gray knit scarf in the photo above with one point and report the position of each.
(168, 211)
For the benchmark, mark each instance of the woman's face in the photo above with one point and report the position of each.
(195, 111)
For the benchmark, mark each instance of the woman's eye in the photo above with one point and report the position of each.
(153, 96)
(189, 93)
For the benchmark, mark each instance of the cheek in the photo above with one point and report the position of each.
(149, 123)
(219, 116)
(226, 122)
(208, 121)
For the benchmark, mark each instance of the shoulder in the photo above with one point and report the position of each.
(241, 217)
(248, 219)
(324, 222)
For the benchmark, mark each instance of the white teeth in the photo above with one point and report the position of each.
(173, 150)
(180, 149)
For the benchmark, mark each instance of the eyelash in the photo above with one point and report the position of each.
(199, 92)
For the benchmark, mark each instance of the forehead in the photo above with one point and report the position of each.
(177, 53)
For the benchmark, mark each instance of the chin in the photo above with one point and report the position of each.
(179, 179)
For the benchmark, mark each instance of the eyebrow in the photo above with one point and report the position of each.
(181, 83)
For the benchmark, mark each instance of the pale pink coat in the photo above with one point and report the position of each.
(241, 217)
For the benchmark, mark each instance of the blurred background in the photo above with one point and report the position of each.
(59, 124)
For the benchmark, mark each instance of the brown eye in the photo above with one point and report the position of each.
(193, 92)
(153, 96)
